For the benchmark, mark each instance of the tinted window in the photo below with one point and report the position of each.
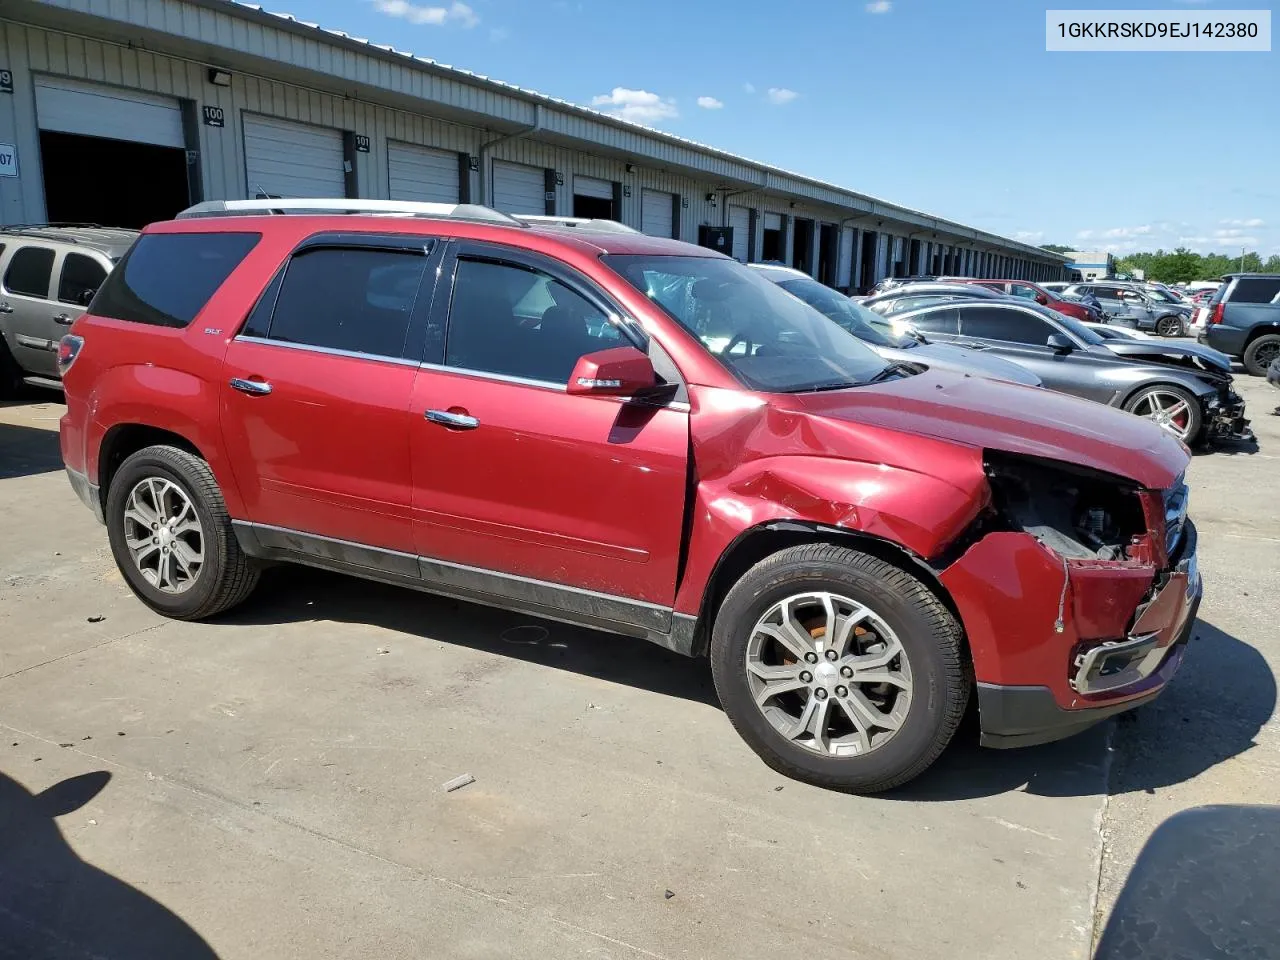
(348, 299)
(520, 322)
(835, 306)
(1256, 290)
(1106, 293)
(29, 271)
(1009, 324)
(940, 319)
(166, 278)
(902, 304)
(1022, 290)
(81, 278)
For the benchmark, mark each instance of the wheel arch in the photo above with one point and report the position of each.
(1261, 330)
(1170, 382)
(756, 543)
(122, 440)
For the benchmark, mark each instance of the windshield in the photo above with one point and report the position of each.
(856, 319)
(1164, 296)
(765, 337)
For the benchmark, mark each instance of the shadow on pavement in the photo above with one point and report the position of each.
(289, 594)
(54, 905)
(1210, 712)
(27, 450)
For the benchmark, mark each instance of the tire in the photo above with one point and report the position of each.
(1170, 326)
(1261, 353)
(224, 577)
(11, 385)
(902, 609)
(1150, 401)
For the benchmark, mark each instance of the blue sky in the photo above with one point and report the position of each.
(949, 106)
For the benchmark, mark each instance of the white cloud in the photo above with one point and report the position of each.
(781, 95)
(748, 88)
(879, 6)
(1084, 235)
(710, 103)
(1252, 222)
(1120, 233)
(639, 106)
(456, 12)
(1029, 236)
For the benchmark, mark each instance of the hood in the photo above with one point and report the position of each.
(946, 356)
(1189, 356)
(990, 415)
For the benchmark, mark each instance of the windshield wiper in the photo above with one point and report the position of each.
(897, 368)
(819, 387)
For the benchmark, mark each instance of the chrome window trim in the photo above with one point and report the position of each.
(329, 351)
(504, 377)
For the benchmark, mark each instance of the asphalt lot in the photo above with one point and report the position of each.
(270, 785)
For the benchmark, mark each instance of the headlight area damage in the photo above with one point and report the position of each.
(1075, 577)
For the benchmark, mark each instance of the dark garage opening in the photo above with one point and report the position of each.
(828, 245)
(115, 183)
(867, 276)
(593, 208)
(802, 250)
(772, 246)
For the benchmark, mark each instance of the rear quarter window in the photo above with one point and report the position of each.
(1255, 290)
(166, 278)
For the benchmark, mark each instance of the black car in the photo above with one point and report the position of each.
(1189, 393)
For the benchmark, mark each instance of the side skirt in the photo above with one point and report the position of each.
(552, 601)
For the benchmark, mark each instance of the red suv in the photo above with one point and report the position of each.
(1033, 291)
(638, 435)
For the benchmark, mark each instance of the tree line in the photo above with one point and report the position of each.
(1183, 265)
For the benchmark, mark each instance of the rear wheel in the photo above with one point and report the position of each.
(838, 668)
(1170, 326)
(1261, 353)
(172, 538)
(1171, 408)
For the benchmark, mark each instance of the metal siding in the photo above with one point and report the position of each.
(740, 221)
(655, 217)
(289, 159)
(518, 188)
(74, 106)
(420, 173)
(844, 257)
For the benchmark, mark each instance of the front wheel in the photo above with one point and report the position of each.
(1171, 408)
(1170, 326)
(839, 669)
(1261, 353)
(172, 538)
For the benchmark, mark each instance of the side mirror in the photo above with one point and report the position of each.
(616, 372)
(1042, 299)
(1060, 343)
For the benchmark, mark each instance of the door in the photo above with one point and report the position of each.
(315, 405)
(740, 221)
(1013, 333)
(422, 174)
(518, 188)
(1139, 308)
(283, 158)
(515, 477)
(96, 110)
(29, 311)
(656, 209)
(1112, 304)
(79, 277)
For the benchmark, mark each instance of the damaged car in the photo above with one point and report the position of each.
(636, 435)
(1184, 388)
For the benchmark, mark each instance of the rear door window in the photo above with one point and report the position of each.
(944, 320)
(1256, 290)
(1010, 324)
(80, 280)
(353, 300)
(29, 272)
(166, 278)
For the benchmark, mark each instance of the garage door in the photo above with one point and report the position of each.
(422, 174)
(93, 110)
(591, 187)
(287, 159)
(655, 213)
(740, 220)
(518, 188)
(773, 221)
(844, 268)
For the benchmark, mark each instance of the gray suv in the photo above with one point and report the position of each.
(48, 275)
(1131, 305)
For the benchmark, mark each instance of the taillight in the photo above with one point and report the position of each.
(68, 349)
(1216, 316)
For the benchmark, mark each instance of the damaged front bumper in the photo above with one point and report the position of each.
(1060, 644)
(1224, 418)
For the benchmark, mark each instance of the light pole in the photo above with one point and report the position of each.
(1242, 259)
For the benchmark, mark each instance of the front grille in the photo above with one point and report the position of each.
(1175, 516)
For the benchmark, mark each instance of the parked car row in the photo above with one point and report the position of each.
(646, 437)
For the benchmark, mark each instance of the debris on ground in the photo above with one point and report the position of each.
(457, 783)
(383, 650)
(96, 618)
(668, 895)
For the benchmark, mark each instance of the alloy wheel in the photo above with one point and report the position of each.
(163, 533)
(1267, 354)
(1167, 410)
(829, 674)
(1169, 327)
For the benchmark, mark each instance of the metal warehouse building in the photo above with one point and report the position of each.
(125, 111)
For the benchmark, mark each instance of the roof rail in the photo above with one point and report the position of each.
(580, 223)
(328, 206)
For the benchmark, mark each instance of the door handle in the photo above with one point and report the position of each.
(255, 388)
(459, 421)
(5, 308)
(64, 319)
